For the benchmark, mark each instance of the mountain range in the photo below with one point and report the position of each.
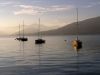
(32, 29)
(86, 27)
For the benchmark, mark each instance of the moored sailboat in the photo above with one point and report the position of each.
(23, 38)
(39, 40)
(77, 44)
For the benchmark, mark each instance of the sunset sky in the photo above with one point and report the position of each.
(51, 12)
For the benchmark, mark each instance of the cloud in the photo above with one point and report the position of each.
(29, 10)
(5, 3)
(92, 4)
(33, 10)
(59, 8)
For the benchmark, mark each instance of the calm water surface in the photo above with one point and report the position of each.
(56, 57)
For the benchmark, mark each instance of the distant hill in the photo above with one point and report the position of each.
(31, 29)
(88, 26)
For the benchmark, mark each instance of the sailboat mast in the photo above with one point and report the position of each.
(23, 29)
(77, 23)
(39, 29)
(19, 30)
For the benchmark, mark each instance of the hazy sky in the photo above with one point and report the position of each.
(51, 12)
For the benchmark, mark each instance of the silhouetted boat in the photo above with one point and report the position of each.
(39, 40)
(77, 44)
(23, 38)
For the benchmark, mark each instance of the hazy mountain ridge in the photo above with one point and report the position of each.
(88, 26)
(31, 29)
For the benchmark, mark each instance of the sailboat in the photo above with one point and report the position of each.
(77, 44)
(23, 38)
(39, 40)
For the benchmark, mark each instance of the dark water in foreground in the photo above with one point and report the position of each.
(56, 57)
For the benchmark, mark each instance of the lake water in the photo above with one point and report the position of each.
(55, 57)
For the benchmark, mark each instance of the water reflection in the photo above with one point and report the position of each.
(53, 58)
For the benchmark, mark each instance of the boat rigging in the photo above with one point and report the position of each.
(77, 44)
(39, 40)
(23, 38)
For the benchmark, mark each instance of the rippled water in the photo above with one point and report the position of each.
(56, 57)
